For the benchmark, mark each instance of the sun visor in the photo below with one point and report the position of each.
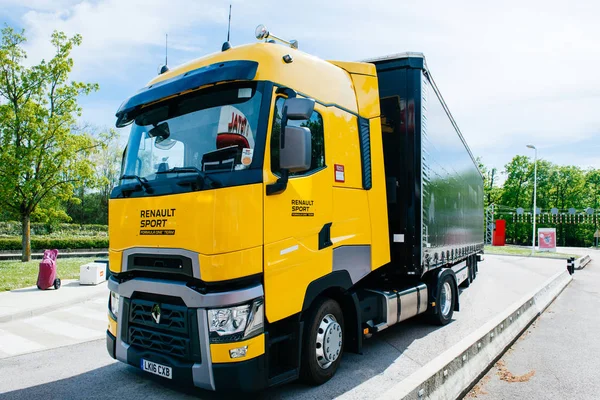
(214, 73)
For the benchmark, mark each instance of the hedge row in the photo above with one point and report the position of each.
(56, 243)
(13, 228)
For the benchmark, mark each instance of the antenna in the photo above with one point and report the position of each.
(229, 23)
(226, 46)
(165, 67)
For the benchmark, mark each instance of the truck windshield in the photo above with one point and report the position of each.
(212, 131)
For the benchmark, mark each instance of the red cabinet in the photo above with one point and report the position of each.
(499, 238)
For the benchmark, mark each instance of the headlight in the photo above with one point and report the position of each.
(233, 324)
(114, 303)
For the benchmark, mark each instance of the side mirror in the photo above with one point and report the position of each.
(299, 109)
(295, 149)
(295, 143)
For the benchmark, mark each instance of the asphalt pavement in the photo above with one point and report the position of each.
(86, 371)
(27, 302)
(557, 358)
(77, 323)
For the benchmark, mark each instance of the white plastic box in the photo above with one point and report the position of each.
(92, 273)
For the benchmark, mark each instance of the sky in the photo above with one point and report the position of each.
(512, 72)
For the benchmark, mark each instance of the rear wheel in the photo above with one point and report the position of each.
(323, 342)
(446, 299)
(57, 283)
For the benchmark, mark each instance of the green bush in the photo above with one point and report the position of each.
(43, 243)
(13, 228)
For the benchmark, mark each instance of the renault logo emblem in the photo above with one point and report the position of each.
(156, 313)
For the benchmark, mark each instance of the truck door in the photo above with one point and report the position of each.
(296, 232)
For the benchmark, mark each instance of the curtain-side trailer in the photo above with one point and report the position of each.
(275, 209)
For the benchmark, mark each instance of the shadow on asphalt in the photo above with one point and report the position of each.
(120, 380)
(379, 353)
(74, 283)
(26, 290)
(116, 380)
(35, 289)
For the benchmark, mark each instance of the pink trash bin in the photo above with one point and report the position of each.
(47, 272)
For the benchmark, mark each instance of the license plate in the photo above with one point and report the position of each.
(157, 369)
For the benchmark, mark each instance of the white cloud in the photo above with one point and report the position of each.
(512, 72)
(119, 34)
(38, 4)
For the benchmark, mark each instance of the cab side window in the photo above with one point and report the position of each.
(315, 124)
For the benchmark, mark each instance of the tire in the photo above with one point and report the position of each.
(475, 267)
(323, 329)
(57, 283)
(444, 306)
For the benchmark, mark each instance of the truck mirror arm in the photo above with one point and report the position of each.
(280, 185)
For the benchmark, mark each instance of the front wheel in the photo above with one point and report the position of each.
(446, 299)
(57, 283)
(323, 342)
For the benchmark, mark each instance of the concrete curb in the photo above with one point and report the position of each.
(53, 307)
(526, 256)
(581, 262)
(452, 374)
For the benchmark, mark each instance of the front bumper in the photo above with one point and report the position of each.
(208, 371)
(111, 342)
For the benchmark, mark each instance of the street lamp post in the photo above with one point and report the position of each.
(534, 195)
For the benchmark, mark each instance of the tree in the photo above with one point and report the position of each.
(108, 164)
(42, 158)
(545, 169)
(90, 203)
(517, 173)
(492, 193)
(592, 182)
(567, 192)
(516, 194)
(568, 186)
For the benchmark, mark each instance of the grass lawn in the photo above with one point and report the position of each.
(17, 274)
(524, 251)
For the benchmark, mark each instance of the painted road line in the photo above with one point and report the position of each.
(84, 312)
(63, 328)
(12, 344)
(100, 300)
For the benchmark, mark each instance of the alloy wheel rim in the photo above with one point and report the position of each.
(446, 298)
(329, 341)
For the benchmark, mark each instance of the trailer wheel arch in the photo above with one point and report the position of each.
(335, 286)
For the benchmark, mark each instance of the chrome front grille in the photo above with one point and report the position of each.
(171, 335)
(159, 342)
(173, 318)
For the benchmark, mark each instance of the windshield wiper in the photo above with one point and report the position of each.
(199, 175)
(143, 182)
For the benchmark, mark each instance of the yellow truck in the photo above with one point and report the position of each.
(276, 209)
